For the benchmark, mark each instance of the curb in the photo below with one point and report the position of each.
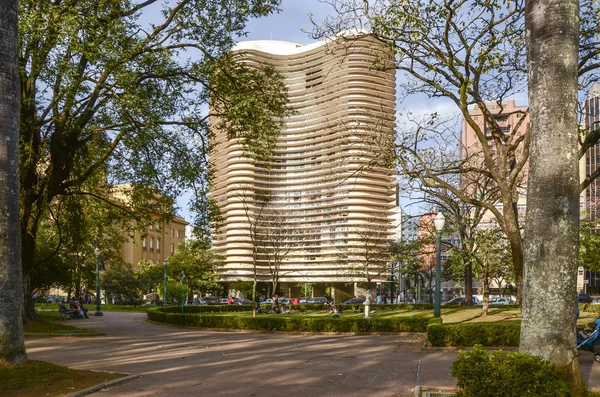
(100, 386)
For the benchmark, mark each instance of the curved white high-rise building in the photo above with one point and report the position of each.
(325, 186)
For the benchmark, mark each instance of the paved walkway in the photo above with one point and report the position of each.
(187, 362)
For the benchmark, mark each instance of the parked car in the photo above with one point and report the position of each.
(243, 302)
(293, 301)
(500, 301)
(210, 300)
(303, 299)
(584, 298)
(320, 299)
(223, 301)
(461, 301)
(354, 301)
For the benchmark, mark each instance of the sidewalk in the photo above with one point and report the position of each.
(185, 362)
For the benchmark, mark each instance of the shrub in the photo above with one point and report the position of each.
(171, 315)
(480, 373)
(485, 334)
(208, 309)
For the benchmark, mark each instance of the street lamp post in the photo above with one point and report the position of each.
(98, 309)
(182, 291)
(165, 263)
(439, 225)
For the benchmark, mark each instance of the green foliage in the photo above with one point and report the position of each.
(120, 279)
(198, 262)
(589, 246)
(275, 322)
(245, 287)
(480, 373)
(470, 334)
(110, 99)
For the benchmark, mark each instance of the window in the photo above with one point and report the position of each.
(157, 245)
(151, 226)
(172, 230)
(151, 244)
(172, 248)
(178, 234)
(144, 244)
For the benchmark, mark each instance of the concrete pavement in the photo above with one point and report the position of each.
(187, 362)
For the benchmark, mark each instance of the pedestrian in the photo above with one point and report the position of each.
(378, 299)
(230, 301)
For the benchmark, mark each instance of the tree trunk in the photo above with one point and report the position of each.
(28, 255)
(552, 224)
(12, 345)
(469, 284)
(513, 234)
(486, 289)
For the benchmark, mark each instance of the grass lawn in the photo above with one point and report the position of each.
(37, 378)
(49, 327)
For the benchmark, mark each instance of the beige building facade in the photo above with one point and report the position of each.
(158, 242)
(325, 184)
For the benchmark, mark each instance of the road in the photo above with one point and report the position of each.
(186, 362)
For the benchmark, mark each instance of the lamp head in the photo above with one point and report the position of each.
(165, 261)
(439, 221)
(96, 252)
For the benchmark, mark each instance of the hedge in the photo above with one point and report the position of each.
(285, 323)
(208, 309)
(589, 308)
(485, 334)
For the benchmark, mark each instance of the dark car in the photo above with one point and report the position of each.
(584, 298)
(211, 300)
(354, 301)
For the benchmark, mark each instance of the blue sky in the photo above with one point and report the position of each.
(286, 25)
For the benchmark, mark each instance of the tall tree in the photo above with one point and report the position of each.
(254, 204)
(462, 222)
(12, 345)
(471, 53)
(277, 238)
(104, 90)
(369, 251)
(198, 262)
(552, 224)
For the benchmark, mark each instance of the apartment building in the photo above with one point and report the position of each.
(324, 186)
(508, 116)
(591, 121)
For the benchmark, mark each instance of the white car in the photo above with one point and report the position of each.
(500, 301)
